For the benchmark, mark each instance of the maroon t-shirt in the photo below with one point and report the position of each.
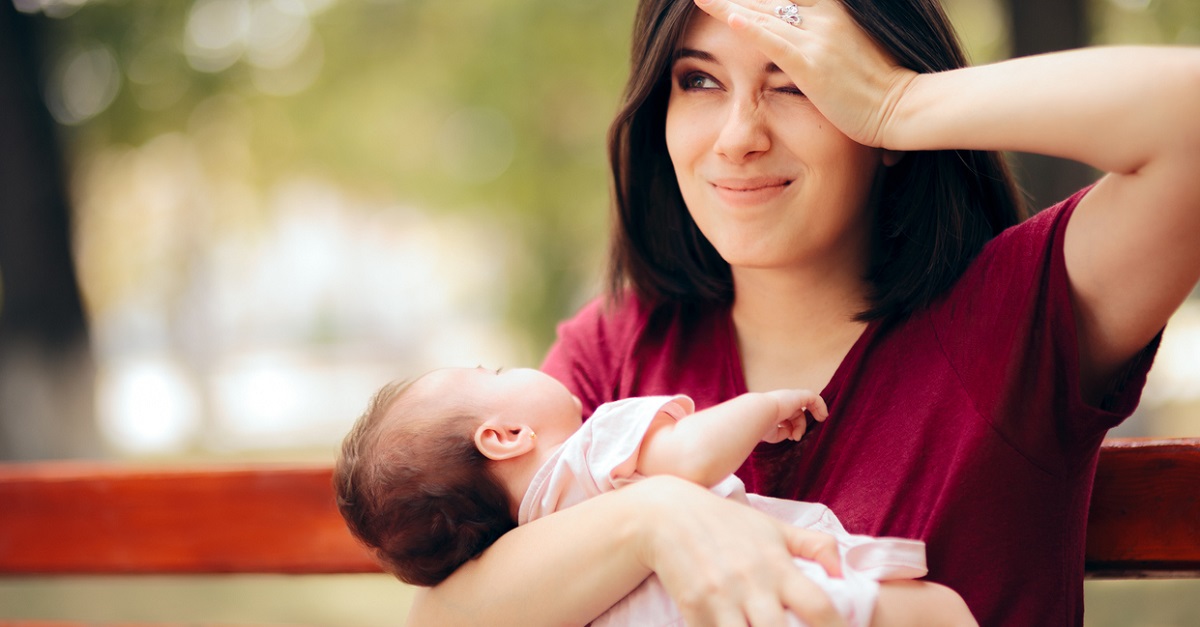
(961, 425)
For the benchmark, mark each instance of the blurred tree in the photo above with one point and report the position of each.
(1040, 26)
(46, 380)
(493, 113)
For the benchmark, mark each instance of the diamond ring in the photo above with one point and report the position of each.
(789, 13)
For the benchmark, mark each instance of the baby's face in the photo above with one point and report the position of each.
(522, 395)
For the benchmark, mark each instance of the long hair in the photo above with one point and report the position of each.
(417, 492)
(936, 209)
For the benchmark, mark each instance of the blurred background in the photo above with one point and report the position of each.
(225, 223)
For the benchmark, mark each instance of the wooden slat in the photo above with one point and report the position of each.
(1145, 513)
(64, 518)
(72, 518)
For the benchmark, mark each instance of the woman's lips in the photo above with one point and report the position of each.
(749, 192)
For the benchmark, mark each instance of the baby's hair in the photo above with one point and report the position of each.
(412, 486)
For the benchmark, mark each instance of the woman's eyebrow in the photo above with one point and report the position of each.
(690, 53)
(700, 55)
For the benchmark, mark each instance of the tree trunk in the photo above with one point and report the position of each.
(1045, 26)
(46, 371)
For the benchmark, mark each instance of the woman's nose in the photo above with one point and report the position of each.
(744, 133)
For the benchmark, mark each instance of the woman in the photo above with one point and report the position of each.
(800, 203)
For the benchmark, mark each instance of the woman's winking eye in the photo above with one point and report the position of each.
(789, 89)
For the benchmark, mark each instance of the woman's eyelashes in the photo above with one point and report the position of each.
(699, 81)
(693, 81)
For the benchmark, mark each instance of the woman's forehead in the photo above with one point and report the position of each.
(703, 29)
(711, 40)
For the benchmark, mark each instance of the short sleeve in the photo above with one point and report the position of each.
(1008, 329)
(618, 430)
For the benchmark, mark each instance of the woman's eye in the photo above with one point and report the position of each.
(790, 89)
(698, 81)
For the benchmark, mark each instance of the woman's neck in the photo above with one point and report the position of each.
(794, 328)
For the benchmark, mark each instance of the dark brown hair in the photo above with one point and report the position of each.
(936, 209)
(416, 490)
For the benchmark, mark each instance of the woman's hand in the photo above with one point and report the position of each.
(726, 564)
(851, 80)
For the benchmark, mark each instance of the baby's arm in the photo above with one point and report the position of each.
(711, 444)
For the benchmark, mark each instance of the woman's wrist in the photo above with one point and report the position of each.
(651, 505)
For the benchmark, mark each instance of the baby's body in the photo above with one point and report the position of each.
(602, 455)
(536, 450)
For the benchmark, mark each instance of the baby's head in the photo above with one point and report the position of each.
(417, 477)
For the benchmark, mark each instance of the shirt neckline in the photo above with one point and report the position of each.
(830, 392)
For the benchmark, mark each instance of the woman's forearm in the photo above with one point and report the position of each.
(714, 557)
(1114, 108)
(563, 569)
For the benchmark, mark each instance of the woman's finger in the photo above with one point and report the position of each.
(809, 602)
(764, 611)
(764, 30)
(739, 15)
(819, 547)
(715, 613)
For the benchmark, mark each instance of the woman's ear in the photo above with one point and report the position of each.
(498, 441)
(892, 157)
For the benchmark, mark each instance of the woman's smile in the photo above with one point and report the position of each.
(767, 179)
(748, 192)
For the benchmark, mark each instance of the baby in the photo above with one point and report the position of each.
(439, 468)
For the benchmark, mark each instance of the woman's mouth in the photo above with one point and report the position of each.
(750, 191)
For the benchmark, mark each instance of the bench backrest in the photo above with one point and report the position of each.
(81, 518)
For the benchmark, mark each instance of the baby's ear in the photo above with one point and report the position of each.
(499, 441)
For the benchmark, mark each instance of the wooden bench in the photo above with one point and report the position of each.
(69, 518)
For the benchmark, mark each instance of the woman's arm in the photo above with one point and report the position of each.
(563, 569)
(1130, 248)
(712, 443)
(567, 568)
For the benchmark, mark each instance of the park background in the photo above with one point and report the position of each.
(225, 223)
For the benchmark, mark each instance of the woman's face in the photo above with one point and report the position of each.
(769, 181)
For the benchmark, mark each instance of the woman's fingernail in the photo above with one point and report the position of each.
(703, 2)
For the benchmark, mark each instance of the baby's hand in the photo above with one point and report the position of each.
(790, 419)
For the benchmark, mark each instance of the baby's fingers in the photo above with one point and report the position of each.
(818, 408)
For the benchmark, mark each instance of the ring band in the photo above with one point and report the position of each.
(789, 13)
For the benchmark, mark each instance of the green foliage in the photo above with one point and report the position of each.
(494, 106)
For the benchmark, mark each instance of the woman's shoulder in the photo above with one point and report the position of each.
(612, 348)
(606, 316)
(1042, 230)
(621, 320)
(1015, 260)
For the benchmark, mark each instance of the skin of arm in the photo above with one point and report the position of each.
(1130, 247)
(503, 583)
(567, 568)
(711, 444)
(707, 446)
